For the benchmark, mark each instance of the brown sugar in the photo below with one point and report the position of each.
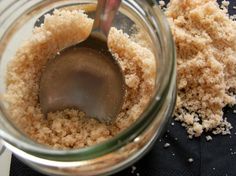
(205, 40)
(72, 128)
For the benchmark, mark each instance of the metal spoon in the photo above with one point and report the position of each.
(86, 76)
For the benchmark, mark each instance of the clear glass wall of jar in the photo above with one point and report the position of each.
(17, 19)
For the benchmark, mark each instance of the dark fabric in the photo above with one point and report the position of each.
(20, 169)
(214, 158)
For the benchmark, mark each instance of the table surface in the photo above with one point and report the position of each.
(214, 158)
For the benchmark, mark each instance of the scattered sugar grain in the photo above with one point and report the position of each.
(225, 3)
(133, 169)
(166, 145)
(162, 3)
(208, 138)
(190, 160)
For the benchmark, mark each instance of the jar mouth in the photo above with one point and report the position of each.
(158, 28)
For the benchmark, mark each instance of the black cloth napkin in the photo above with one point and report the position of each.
(183, 157)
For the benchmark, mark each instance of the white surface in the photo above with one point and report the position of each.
(5, 161)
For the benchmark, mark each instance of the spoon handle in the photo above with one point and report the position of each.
(105, 13)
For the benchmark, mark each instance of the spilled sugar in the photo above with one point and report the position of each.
(205, 39)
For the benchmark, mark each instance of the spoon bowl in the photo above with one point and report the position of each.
(86, 76)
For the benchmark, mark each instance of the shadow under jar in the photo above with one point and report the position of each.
(16, 23)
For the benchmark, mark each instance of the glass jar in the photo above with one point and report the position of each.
(17, 19)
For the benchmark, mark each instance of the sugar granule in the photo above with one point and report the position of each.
(190, 160)
(208, 138)
(162, 3)
(133, 169)
(225, 3)
(205, 39)
(166, 145)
